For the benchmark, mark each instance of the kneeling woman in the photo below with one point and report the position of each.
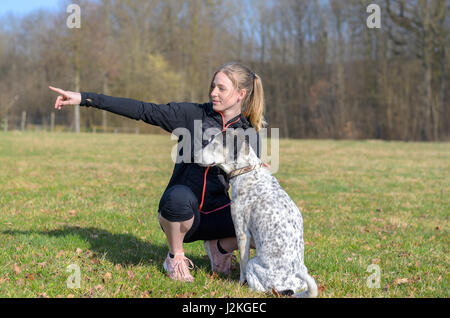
(196, 204)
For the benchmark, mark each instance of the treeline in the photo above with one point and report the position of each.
(325, 73)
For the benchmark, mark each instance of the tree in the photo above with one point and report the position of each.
(424, 20)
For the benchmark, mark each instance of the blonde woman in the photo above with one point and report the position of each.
(196, 204)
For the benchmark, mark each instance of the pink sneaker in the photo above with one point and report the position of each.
(220, 263)
(178, 267)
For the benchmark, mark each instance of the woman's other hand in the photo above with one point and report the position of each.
(66, 98)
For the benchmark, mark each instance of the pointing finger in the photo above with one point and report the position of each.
(58, 90)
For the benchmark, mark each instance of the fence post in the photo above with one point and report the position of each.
(44, 123)
(52, 121)
(104, 121)
(24, 119)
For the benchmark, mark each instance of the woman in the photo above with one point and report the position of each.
(195, 205)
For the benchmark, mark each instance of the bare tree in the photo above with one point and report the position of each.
(425, 21)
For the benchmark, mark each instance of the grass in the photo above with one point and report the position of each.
(91, 200)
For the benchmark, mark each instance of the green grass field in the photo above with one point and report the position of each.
(91, 200)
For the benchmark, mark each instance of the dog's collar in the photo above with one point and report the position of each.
(243, 170)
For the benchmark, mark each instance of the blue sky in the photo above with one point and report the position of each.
(21, 7)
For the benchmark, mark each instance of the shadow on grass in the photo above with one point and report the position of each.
(124, 249)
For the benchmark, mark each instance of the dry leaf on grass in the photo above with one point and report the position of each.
(107, 276)
(400, 281)
(322, 288)
(98, 287)
(17, 269)
(146, 294)
(30, 276)
(4, 279)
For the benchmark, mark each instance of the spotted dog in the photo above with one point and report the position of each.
(264, 213)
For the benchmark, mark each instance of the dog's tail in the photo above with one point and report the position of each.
(311, 291)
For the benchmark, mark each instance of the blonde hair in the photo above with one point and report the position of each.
(243, 78)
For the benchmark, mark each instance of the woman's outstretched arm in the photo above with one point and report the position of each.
(167, 116)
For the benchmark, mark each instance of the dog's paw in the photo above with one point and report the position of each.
(283, 293)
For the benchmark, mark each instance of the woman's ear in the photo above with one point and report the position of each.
(242, 94)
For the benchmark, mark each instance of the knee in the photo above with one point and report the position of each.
(178, 204)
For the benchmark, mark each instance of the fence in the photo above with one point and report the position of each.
(23, 123)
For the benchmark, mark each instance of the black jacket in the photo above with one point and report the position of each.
(172, 116)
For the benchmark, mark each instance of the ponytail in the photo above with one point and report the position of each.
(253, 106)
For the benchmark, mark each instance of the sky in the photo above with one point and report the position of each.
(20, 7)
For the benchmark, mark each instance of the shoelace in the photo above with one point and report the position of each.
(181, 265)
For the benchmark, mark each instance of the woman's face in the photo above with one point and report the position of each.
(224, 95)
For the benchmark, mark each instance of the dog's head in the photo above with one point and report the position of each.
(229, 150)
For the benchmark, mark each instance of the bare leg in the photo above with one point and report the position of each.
(175, 232)
(230, 244)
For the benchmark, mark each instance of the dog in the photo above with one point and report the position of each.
(264, 214)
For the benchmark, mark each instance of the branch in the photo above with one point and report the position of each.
(402, 21)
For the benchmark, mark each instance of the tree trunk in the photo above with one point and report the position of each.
(76, 65)
(104, 112)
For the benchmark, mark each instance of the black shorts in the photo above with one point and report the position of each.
(179, 204)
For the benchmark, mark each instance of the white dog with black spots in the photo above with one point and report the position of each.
(264, 213)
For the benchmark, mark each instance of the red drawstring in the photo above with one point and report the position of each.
(223, 122)
(204, 188)
(220, 208)
(207, 169)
